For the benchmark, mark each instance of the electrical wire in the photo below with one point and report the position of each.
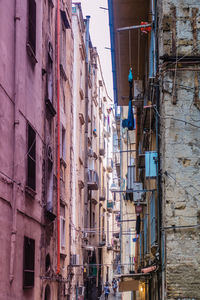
(178, 183)
(175, 119)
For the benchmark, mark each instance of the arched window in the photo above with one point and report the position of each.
(47, 295)
(47, 263)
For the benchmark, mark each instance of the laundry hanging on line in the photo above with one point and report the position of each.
(129, 123)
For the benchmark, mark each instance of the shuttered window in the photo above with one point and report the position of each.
(32, 24)
(31, 159)
(145, 234)
(153, 219)
(29, 262)
(152, 58)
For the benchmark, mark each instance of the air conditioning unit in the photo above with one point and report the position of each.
(138, 187)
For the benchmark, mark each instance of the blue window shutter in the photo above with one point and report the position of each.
(151, 158)
(152, 59)
(153, 219)
(145, 234)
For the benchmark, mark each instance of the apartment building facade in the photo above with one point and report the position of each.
(91, 216)
(160, 41)
(34, 198)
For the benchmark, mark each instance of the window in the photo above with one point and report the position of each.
(152, 59)
(32, 25)
(145, 234)
(31, 156)
(50, 73)
(93, 220)
(63, 52)
(63, 143)
(29, 262)
(141, 243)
(153, 219)
(47, 293)
(108, 228)
(62, 226)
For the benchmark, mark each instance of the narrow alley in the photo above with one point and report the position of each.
(100, 149)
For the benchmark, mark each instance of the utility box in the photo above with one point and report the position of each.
(151, 163)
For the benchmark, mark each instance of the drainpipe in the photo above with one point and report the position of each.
(15, 134)
(159, 191)
(58, 137)
(86, 122)
(121, 187)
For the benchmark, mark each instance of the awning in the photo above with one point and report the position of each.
(129, 285)
(136, 276)
(129, 47)
(149, 269)
(89, 248)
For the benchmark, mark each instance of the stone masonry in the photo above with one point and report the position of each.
(180, 150)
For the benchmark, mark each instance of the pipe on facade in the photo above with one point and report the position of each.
(86, 123)
(121, 176)
(15, 126)
(159, 191)
(58, 137)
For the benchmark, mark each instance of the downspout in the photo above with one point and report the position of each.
(86, 123)
(15, 127)
(159, 191)
(121, 187)
(58, 137)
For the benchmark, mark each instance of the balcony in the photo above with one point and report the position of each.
(102, 194)
(93, 180)
(110, 205)
(109, 165)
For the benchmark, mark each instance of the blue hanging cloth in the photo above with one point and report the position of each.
(129, 123)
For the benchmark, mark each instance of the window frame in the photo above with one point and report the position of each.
(31, 158)
(31, 29)
(27, 267)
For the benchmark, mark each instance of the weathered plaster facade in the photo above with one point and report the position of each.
(180, 115)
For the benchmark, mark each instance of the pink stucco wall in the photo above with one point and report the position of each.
(24, 90)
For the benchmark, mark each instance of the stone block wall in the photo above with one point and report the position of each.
(180, 150)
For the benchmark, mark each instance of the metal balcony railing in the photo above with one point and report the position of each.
(93, 180)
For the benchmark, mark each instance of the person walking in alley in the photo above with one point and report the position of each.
(114, 286)
(106, 290)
